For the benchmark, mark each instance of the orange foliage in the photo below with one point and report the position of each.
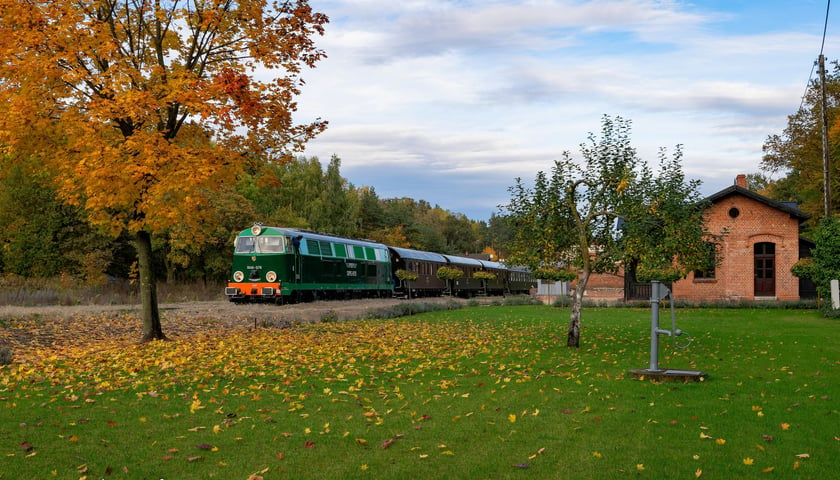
(143, 110)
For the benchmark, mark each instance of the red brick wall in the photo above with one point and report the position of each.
(604, 287)
(734, 277)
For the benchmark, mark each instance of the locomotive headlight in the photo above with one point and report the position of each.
(256, 229)
(238, 276)
(271, 277)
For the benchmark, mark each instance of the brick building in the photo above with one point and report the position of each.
(761, 242)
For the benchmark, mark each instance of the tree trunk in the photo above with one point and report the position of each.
(152, 329)
(573, 338)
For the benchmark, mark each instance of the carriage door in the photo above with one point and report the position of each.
(765, 269)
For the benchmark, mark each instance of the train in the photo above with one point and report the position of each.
(290, 265)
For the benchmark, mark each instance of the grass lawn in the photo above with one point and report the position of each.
(483, 392)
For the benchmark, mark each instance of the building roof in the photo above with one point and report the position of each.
(787, 207)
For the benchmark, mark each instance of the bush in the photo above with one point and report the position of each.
(827, 261)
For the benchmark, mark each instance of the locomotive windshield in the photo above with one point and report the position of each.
(264, 244)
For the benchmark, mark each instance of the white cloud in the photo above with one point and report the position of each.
(477, 92)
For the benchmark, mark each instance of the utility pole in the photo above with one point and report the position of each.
(826, 152)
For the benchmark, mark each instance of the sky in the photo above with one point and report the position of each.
(451, 101)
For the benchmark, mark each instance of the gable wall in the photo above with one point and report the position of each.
(734, 277)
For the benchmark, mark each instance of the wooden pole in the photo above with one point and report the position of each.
(826, 152)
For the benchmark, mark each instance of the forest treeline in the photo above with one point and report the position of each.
(41, 236)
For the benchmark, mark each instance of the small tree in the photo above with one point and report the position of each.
(406, 277)
(448, 274)
(485, 277)
(608, 210)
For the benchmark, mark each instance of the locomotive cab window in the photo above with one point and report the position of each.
(273, 244)
(246, 245)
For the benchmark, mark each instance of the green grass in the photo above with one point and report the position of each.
(485, 392)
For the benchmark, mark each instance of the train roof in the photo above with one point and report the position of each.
(494, 265)
(418, 255)
(294, 232)
(463, 260)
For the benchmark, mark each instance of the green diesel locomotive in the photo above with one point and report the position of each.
(287, 265)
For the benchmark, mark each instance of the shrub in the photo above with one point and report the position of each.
(827, 261)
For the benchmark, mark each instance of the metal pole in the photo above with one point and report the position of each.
(654, 326)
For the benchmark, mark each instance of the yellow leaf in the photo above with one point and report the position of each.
(785, 426)
(748, 461)
(640, 466)
(720, 441)
(768, 469)
(512, 417)
(597, 454)
(698, 473)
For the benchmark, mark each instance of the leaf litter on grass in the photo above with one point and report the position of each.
(395, 385)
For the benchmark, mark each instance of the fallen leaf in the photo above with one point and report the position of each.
(204, 446)
(803, 455)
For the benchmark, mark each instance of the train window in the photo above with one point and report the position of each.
(370, 254)
(326, 248)
(313, 247)
(340, 250)
(358, 252)
(272, 244)
(245, 245)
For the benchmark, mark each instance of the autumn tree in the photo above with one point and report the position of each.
(608, 210)
(145, 109)
(795, 156)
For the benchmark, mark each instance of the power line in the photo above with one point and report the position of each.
(825, 27)
(814, 65)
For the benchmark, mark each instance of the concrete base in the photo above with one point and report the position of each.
(668, 375)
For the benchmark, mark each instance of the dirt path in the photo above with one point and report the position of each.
(42, 331)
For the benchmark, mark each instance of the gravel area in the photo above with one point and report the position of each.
(39, 332)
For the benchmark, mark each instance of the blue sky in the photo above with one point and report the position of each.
(450, 101)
